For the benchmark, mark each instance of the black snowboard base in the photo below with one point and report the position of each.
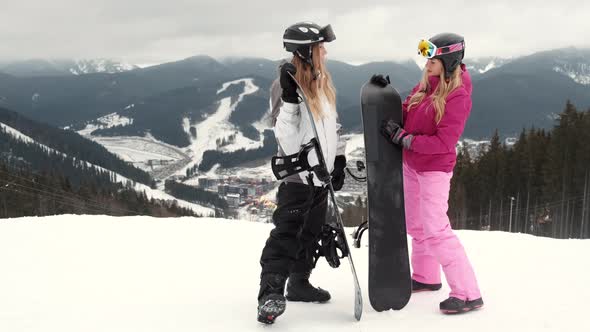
(390, 284)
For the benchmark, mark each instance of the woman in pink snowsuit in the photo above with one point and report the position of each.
(434, 116)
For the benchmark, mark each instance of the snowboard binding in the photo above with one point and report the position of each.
(285, 166)
(331, 242)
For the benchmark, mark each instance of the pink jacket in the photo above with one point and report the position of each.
(433, 145)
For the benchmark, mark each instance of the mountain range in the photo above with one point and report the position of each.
(63, 67)
(531, 89)
(192, 102)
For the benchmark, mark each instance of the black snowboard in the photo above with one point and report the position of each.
(390, 284)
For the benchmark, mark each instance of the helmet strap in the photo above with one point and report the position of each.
(309, 61)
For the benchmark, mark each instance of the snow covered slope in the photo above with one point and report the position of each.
(98, 273)
(217, 126)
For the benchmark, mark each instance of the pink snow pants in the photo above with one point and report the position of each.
(434, 243)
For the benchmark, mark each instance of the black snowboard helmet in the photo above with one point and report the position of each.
(448, 47)
(300, 37)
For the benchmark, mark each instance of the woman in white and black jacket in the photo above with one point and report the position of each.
(302, 198)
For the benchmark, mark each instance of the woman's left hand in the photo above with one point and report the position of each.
(395, 133)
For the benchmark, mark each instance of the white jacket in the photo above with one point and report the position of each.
(293, 129)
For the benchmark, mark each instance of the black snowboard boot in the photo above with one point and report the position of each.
(299, 289)
(453, 305)
(271, 301)
(421, 287)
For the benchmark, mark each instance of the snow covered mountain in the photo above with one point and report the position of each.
(571, 62)
(64, 67)
(98, 273)
(575, 65)
(478, 66)
(225, 125)
(116, 177)
(92, 66)
(529, 90)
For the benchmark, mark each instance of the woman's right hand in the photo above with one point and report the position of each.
(288, 85)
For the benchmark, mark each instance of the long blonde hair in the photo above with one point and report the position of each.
(439, 96)
(314, 89)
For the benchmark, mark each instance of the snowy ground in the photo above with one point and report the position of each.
(145, 153)
(107, 121)
(354, 143)
(98, 273)
(258, 172)
(137, 149)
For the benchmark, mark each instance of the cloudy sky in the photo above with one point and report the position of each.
(155, 31)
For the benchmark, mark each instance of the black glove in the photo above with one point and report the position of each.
(395, 133)
(288, 85)
(338, 172)
(321, 173)
(379, 80)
